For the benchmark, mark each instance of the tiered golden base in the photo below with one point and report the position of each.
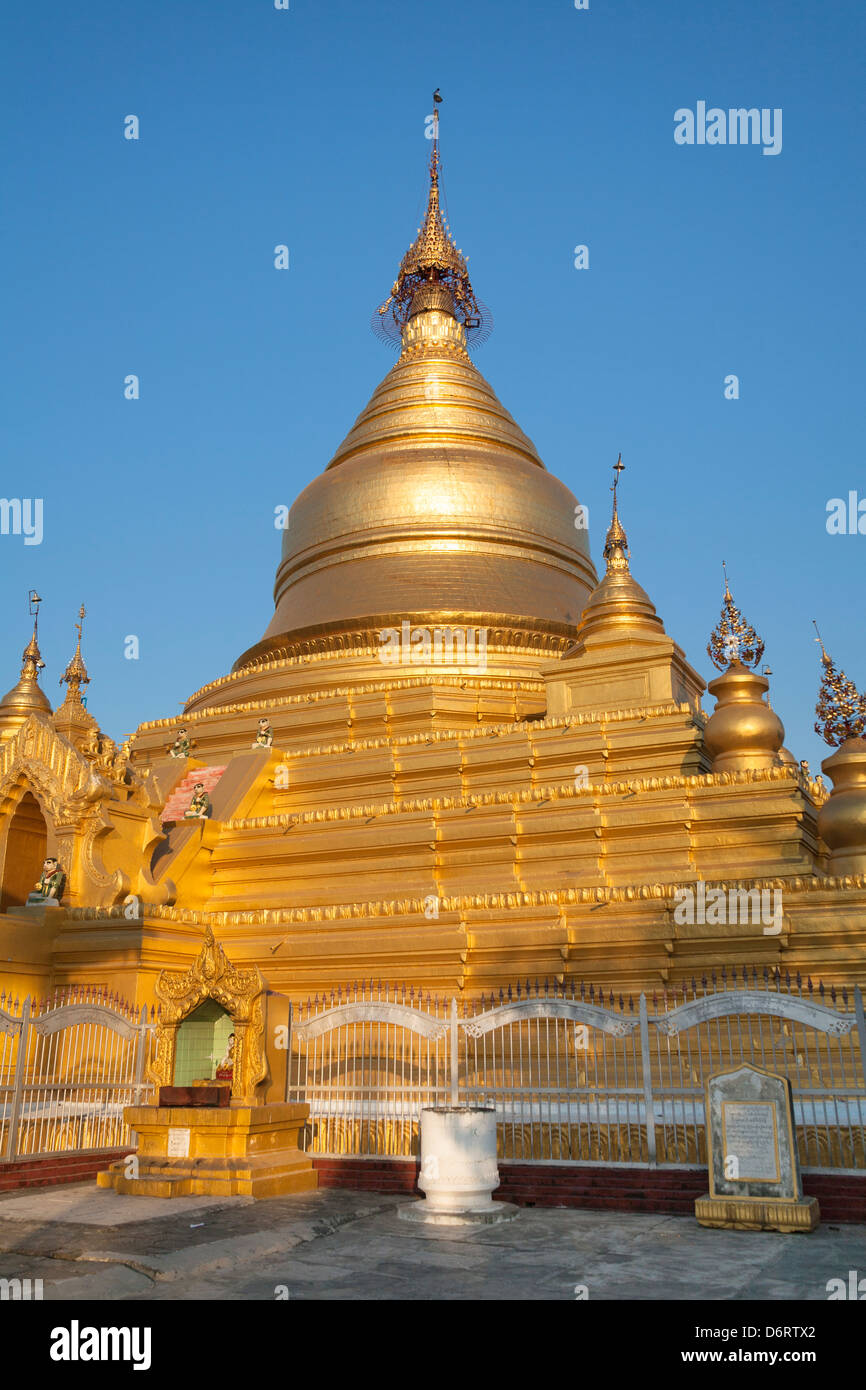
(758, 1214)
(250, 1151)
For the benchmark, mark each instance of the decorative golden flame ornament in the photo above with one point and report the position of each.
(732, 639)
(840, 708)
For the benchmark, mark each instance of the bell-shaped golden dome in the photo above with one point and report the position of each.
(436, 506)
(742, 732)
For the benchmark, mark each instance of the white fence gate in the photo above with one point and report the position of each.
(68, 1067)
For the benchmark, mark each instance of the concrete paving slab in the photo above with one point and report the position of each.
(341, 1246)
(94, 1206)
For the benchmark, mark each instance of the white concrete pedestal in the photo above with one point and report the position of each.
(459, 1171)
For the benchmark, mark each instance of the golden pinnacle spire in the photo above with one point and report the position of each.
(616, 551)
(75, 675)
(733, 640)
(618, 605)
(840, 707)
(32, 657)
(433, 273)
(27, 696)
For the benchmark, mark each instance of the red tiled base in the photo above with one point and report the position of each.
(841, 1197)
(56, 1168)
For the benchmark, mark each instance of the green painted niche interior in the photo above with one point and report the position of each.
(202, 1041)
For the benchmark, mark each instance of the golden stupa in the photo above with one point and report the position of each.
(478, 764)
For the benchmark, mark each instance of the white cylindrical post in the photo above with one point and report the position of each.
(459, 1169)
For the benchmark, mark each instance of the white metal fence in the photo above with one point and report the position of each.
(575, 1076)
(68, 1067)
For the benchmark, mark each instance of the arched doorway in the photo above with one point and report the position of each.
(26, 847)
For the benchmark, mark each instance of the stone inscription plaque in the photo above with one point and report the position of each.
(751, 1145)
(750, 1141)
(178, 1143)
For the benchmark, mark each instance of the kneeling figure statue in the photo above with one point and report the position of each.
(52, 882)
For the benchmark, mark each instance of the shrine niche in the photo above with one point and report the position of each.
(213, 1020)
(214, 1033)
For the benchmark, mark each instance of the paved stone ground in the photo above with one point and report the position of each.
(85, 1243)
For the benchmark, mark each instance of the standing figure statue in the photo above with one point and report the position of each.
(52, 882)
(200, 806)
(181, 746)
(265, 735)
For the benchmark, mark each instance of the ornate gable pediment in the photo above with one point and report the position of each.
(61, 778)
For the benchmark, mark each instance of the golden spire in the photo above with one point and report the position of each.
(75, 675)
(616, 551)
(433, 273)
(27, 697)
(73, 719)
(618, 603)
(33, 662)
(840, 705)
(733, 640)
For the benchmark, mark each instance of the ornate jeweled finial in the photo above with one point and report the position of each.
(616, 551)
(840, 708)
(75, 675)
(733, 639)
(433, 273)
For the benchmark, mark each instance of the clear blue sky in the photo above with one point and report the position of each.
(306, 127)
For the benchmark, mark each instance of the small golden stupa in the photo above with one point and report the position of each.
(486, 764)
(27, 696)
